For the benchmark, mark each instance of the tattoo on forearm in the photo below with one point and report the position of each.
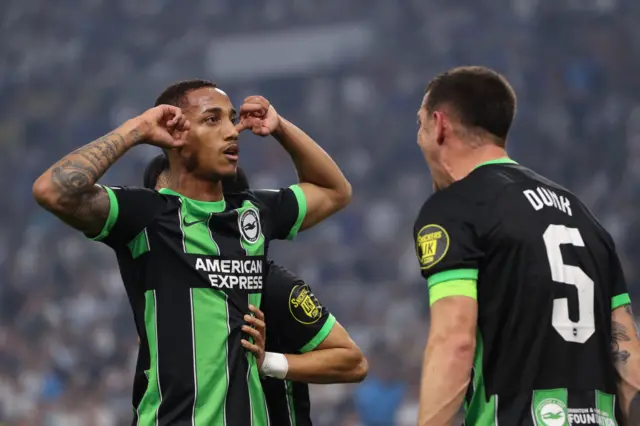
(619, 334)
(75, 174)
(81, 204)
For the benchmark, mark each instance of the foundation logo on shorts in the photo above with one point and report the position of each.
(249, 225)
(432, 243)
(303, 305)
(551, 412)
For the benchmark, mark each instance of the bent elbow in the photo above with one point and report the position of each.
(358, 367)
(343, 195)
(458, 347)
(361, 370)
(462, 348)
(43, 193)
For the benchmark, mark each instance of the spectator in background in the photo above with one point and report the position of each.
(378, 399)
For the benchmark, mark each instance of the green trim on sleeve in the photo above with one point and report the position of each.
(449, 288)
(302, 210)
(322, 334)
(620, 300)
(452, 274)
(113, 215)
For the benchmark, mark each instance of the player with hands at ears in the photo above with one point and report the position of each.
(163, 238)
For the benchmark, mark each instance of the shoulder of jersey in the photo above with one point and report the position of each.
(240, 197)
(127, 187)
(441, 198)
(280, 273)
(484, 184)
(242, 194)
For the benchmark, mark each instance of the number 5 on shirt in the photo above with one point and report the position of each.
(583, 329)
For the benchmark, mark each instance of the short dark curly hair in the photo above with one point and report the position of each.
(176, 93)
(481, 98)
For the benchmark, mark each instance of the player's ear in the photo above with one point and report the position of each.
(440, 124)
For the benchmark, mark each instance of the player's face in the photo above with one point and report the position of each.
(429, 141)
(211, 149)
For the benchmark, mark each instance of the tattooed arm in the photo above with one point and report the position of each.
(625, 346)
(68, 189)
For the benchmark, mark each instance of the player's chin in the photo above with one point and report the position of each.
(227, 168)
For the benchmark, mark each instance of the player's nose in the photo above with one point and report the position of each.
(230, 132)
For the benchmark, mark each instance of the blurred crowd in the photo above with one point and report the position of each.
(71, 70)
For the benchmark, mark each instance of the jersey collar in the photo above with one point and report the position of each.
(503, 160)
(212, 206)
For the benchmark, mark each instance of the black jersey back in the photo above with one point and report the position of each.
(296, 323)
(547, 280)
(191, 268)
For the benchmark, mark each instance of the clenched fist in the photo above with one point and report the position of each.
(164, 126)
(258, 115)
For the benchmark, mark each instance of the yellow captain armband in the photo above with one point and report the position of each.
(453, 288)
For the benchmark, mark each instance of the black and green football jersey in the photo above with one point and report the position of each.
(547, 278)
(296, 323)
(191, 268)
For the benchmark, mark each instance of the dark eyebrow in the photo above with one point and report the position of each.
(212, 110)
(218, 110)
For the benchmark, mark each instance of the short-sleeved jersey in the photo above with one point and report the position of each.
(296, 323)
(191, 268)
(547, 278)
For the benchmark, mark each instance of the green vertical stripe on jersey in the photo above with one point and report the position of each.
(479, 412)
(150, 402)
(210, 329)
(256, 395)
(292, 406)
(210, 318)
(139, 245)
(550, 407)
(194, 221)
(606, 403)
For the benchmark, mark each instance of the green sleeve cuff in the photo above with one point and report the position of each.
(302, 210)
(452, 274)
(322, 334)
(113, 215)
(620, 300)
(466, 288)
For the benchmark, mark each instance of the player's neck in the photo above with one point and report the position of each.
(197, 189)
(470, 160)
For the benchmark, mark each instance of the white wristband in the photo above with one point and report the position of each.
(274, 365)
